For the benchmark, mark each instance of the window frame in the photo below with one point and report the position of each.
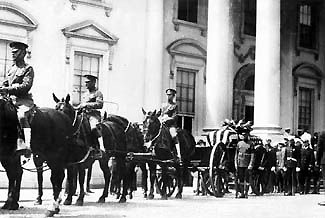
(81, 85)
(202, 11)
(300, 48)
(7, 61)
(244, 10)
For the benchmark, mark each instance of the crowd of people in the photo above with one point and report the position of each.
(289, 167)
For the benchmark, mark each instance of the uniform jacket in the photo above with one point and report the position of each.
(291, 157)
(321, 149)
(93, 101)
(19, 82)
(260, 156)
(307, 159)
(244, 156)
(270, 158)
(169, 114)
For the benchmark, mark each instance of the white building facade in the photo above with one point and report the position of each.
(259, 60)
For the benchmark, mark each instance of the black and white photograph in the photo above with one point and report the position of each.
(162, 108)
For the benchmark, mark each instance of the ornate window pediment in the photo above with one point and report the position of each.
(94, 3)
(15, 16)
(90, 30)
(83, 34)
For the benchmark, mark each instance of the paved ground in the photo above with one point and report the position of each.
(191, 206)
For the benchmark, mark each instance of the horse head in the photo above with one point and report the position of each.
(64, 105)
(151, 124)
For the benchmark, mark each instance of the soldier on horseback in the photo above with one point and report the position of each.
(19, 81)
(168, 117)
(92, 100)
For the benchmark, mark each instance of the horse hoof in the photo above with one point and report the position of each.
(101, 200)
(79, 203)
(130, 196)
(164, 197)
(38, 201)
(145, 195)
(5, 206)
(122, 200)
(179, 196)
(14, 206)
(151, 196)
(67, 202)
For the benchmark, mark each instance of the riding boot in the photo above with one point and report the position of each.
(28, 135)
(25, 146)
(178, 150)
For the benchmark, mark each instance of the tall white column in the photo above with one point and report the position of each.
(154, 55)
(219, 64)
(267, 69)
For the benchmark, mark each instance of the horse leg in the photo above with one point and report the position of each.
(122, 169)
(144, 179)
(39, 163)
(57, 176)
(180, 181)
(14, 173)
(103, 163)
(152, 171)
(89, 172)
(71, 177)
(164, 182)
(82, 173)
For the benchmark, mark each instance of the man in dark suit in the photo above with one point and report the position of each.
(320, 160)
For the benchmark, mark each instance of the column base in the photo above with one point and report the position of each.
(272, 132)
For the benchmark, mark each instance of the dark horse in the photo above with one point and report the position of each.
(82, 137)
(52, 140)
(135, 144)
(115, 130)
(8, 157)
(164, 150)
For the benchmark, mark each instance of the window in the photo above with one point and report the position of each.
(249, 84)
(250, 17)
(83, 64)
(307, 26)
(305, 108)
(185, 98)
(5, 62)
(188, 10)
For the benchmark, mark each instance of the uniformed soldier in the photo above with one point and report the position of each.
(244, 159)
(320, 160)
(168, 116)
(291, 166)
(91, 102)
(258, 169)
(307, 164)
(19, 81)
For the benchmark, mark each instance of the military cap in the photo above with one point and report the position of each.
(90, 77)
(170, 91)
(18, 45)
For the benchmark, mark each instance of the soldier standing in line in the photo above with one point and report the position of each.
(320, 160)
(244, 159)
(291, 166)
(307, 163)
